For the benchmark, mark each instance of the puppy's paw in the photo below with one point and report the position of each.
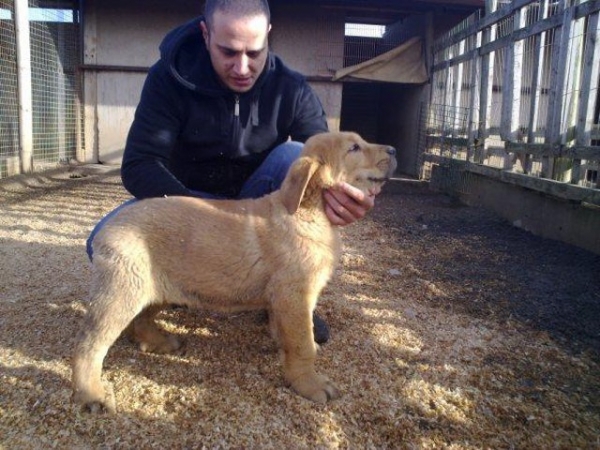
(316, 387)
(96, 404)
(161, 344)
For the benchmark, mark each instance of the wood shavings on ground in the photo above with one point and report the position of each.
(450, 329)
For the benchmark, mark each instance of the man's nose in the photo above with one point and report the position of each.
(242, 66)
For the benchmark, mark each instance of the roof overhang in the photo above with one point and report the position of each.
(403, 64)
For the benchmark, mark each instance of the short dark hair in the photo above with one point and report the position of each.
(237, 7)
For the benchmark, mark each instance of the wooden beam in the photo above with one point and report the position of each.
(539, 52)
(557, 189)
(474, 113)
(555, 151)
(497, 44)
(512, 83)
(24, 82)
(591, 73)
(558, 78)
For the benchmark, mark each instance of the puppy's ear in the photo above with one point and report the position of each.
(296, 181)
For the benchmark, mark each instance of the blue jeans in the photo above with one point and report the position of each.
(267, 178)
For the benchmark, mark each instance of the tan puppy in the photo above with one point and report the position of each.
(275, 253)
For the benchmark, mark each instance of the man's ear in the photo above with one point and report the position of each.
(204, 29)
(296, 181)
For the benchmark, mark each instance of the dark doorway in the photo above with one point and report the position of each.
(360, 103)
(387, 113)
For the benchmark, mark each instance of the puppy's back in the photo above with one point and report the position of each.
(222, 252)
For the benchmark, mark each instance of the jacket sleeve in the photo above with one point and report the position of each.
(310, 118)
(151, 139)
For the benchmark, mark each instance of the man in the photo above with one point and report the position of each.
(216, 115)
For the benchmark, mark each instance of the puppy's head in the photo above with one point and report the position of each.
(332, 158)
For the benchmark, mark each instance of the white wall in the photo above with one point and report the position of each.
(311, 41)
(121, 33)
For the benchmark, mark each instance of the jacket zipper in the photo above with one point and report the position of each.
(235, 138)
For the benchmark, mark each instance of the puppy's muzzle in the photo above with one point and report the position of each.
(388, 165)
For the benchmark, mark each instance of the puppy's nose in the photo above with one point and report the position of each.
(391, 151)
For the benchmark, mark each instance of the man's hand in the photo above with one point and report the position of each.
(345, 204)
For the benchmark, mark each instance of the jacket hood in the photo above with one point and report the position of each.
(184, 52)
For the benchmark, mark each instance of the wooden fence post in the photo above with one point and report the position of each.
(24, 85)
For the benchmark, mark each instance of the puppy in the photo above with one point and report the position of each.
(275, 253)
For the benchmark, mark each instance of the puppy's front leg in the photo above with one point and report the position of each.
(292, 320)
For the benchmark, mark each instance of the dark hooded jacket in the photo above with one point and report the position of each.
(186, 135)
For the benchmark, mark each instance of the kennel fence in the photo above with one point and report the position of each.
(515, 95)
(49, 113)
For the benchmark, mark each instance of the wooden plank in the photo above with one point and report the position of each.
(574, 76)
(492, 16)
(487, 86)
(556, 151)
(547, 24)
(508, 80)
(497, 15)
(441, 118)
(554, 123)
(557, 84)
(449, 141)
(557, 189)
(540, 27)
(444, 160)
(589, 82)
(467, 56)
(512, 84)
(575, 91)
(495, 45)
(474, 111)
(91, 153)
(587, 8)
(587, 152)
(24, 82)
(457, 101)
(538, 68)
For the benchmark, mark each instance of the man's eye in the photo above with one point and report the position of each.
(229, 53)
(354, 148)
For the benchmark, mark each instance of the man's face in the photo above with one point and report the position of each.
(238, 48)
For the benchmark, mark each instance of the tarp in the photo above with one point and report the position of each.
(403, 64)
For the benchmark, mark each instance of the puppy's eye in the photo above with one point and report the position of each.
(354, 148)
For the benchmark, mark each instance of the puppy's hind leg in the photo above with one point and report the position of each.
(113, 305)
(149, 336)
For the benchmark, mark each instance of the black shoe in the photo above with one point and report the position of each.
(320, 330)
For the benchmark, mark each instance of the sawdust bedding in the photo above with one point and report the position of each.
(450, 329)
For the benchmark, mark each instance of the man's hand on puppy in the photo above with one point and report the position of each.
(345, 204)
